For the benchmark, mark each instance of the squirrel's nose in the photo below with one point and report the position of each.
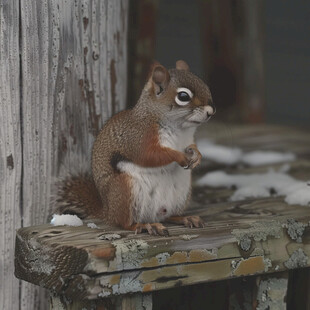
(210, 109)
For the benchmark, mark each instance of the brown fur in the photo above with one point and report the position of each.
(132, 136)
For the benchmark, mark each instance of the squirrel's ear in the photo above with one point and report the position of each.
(182, 65)
(160, 78)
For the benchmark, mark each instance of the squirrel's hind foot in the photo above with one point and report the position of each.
(188, 221)
(150, 228)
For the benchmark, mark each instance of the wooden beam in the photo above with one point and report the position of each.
(241, 238)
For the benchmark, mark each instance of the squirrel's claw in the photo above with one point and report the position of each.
(193, 155)
(152, 229)
(193, 221)
(188, 221)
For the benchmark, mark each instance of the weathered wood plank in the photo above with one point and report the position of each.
(224, 249)
(73, 78)
(10, 150)
(242, 238)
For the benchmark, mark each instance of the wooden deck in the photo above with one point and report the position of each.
(241, 238)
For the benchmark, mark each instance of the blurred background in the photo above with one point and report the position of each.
(254, 55)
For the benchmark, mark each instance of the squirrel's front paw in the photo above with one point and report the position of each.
(193, 156)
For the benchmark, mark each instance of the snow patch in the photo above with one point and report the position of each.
(66, 219)
(219, 153)
(92, 225)
(259, 158)
(260, 185)
(233, 155)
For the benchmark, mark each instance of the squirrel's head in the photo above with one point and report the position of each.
(184, 98)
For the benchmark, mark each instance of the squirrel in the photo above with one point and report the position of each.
(142, 158)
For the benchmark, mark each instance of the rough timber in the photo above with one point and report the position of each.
(249, 237)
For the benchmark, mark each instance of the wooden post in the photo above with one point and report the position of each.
(271, 291)
(10, 150)
(126, 302)
(259, 292)
(136, 302)
(63, 73)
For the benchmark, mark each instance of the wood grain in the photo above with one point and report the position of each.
(63, 73)
(241, 238)
(73, 72)
(10, 150)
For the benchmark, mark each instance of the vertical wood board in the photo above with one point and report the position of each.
(10, 150)
(63, 73)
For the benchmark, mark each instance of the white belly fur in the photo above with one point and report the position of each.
(167, 187)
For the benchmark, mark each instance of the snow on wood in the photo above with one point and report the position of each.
(260, 185)
(233, 155)
(66, 219)
(92, 225)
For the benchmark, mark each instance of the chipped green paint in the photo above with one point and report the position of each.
(259, 231)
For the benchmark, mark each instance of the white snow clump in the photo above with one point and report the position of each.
(233, 155)
(66, 219)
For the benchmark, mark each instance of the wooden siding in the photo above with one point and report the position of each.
(63, 73)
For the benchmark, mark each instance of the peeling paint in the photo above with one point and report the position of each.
(110, 237)
(202, 255)
(297, 259)
(249, 266)
(121, 284)
(162, 258)
(295, 229)
(258, 231)
(38, 259)
(268, 264)
(188, 237)
(180, 257)
(129, 253)
(104, 253)
(147, 288)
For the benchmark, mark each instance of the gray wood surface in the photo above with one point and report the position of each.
(241, 238)
(10, 150)
(63, 73)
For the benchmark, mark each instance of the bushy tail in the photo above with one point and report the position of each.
(77, 194)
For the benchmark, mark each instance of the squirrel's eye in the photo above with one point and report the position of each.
(184, 96)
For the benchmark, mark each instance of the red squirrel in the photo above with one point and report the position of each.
(143, 157)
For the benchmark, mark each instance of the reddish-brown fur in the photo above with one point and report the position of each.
(154, 155)
(133, 136)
